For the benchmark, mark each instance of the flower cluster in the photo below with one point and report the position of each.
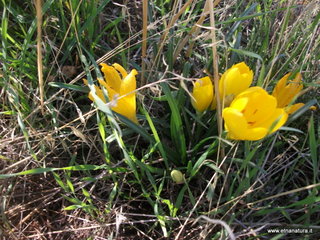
(232, 82)
(250, 113)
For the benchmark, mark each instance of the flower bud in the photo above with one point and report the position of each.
(177, 176)
(202, 94)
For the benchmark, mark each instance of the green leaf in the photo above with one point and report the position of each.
(45, 170)
(196, 167)
(85, 193)
(135, 127)
(70, 185)
(72, 207)
(313, 149)
(290, 129)
(306, 201)
(156, 137)
(176, 126)
(60, 182)
(247, 53)
(70, 87)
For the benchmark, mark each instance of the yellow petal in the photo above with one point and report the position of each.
(285, 91)
(111, 76)
(100, 93)
(238, 128)
(252, 115)
(98, 90)
(126, 106)
(85, 81)
(119, 68)
(202, 94)
(111, 92)
(255, 134)
(129, 83)
(294, 107)
(259, 108)
(235, 123)
(279, 86)
(240, 103)
(275, 121)
(256, 105)
(250, 91)
(235, 80)
(103, 83)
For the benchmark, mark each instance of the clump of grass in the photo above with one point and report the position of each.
(80, 171)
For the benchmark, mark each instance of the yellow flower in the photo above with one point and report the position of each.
(234, 81)
(120, 86)
(202, 94)
(252, 115)
(286, 92)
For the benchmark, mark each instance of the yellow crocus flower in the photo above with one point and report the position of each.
(121, 88)
(234, 81)
(252, 115)
(202, 94)
(285, 91)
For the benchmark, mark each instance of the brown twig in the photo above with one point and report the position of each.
(39, 52)
(144, 40)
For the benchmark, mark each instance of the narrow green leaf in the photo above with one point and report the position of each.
(86, 193)
(70, 87)
(176, 126)
(313, 149)
(290, 129)
(70, 185)
(137, 128)
(45, 170)
(196, 167)
(247, 53)
(157, 138)
(60, 182)
(72, 207)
